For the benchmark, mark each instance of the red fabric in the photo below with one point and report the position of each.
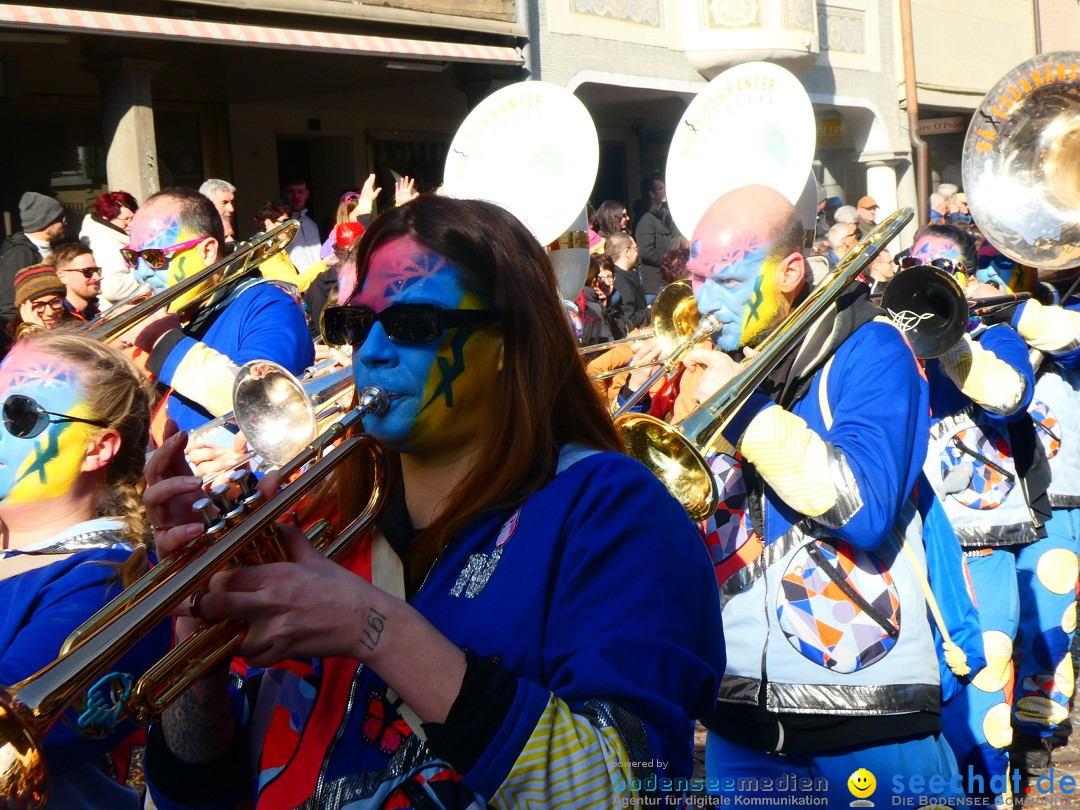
(346, 234)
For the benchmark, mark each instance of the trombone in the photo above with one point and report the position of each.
(243, 533)
(677, 326)
(242, 260)
(676, 453)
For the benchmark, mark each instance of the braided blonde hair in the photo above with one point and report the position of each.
(119, 394)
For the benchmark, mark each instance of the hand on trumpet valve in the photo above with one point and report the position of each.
(209, 460)
(718, 369)
(646, 351)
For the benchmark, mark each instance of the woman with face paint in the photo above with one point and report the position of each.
(75, 424)
(535, 649)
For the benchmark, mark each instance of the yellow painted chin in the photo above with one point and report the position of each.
(766, 308)
(185, 266)
(55, 462)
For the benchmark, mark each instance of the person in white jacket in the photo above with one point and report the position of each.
(105, 231)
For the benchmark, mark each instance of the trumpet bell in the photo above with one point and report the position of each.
(280, 414)
(929, 307)
(667, 453)
(272, 411)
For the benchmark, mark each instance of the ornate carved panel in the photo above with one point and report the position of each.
(799, 15)
(842, 30)
(732, 14)
(646, 12)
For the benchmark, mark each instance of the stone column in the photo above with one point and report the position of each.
(131, 161)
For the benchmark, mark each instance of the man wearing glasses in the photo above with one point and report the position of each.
(196, 346)
(43, 223)
(77, 269)
(986, 467)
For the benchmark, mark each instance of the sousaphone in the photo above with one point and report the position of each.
(752, 124)
(1021, 163)
(532, 148)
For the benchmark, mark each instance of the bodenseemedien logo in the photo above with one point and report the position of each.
(862, 785)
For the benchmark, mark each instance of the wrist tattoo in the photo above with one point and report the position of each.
(373, 630)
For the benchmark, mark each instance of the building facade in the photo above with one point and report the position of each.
(142, 94)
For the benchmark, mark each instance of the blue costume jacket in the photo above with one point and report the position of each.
(41, 607)
(593, 599)
(263, 322)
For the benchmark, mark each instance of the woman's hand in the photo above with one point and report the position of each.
(171, 490)
(310, 607)
(367, 198)
(211, 460)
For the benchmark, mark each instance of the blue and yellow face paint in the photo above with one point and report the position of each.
(441, 392)
(156, 225)
(933, 247)
(47, 465)
(1005, 274)
(734, 279)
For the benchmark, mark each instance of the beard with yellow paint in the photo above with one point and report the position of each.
(440, 391)
(46, 465)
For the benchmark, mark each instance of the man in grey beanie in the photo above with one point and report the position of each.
(43, 223)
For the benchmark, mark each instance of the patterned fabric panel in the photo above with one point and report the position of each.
(838, 606)
(977, 468)
(568, 763)
(1047, 426)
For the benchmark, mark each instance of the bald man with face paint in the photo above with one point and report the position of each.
(196, 347)
(831, 659)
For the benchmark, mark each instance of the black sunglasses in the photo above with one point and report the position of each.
(948, 265)
(88, 272)
(25, 419)
(404, 323)
(1001, 262)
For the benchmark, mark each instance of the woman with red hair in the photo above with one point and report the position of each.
(105, 232)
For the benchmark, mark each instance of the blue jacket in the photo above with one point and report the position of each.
(594, 597)
(262, 323)
(41, 608)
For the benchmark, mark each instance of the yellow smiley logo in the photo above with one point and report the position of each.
(861, 783)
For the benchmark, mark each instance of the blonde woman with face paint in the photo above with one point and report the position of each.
(75, 421)
(538, 649)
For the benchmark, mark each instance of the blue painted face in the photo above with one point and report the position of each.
(157, 225)
(441, 392)
(734, 279)
(1001, 273)
(47, 465)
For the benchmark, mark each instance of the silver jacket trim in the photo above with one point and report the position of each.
(1064, 501)
(847, 700)
(1015, 534)
(848, 498)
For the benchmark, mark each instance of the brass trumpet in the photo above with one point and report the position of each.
(29, 708)
(245, 258)
(676, 453)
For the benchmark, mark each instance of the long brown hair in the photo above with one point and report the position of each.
(545, 397)
(118, 394)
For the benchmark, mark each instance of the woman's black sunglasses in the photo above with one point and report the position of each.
(25, 419)
(404, 323)
(948, 265)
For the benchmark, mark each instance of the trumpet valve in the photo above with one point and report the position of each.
(246, 483)
(208, 512)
